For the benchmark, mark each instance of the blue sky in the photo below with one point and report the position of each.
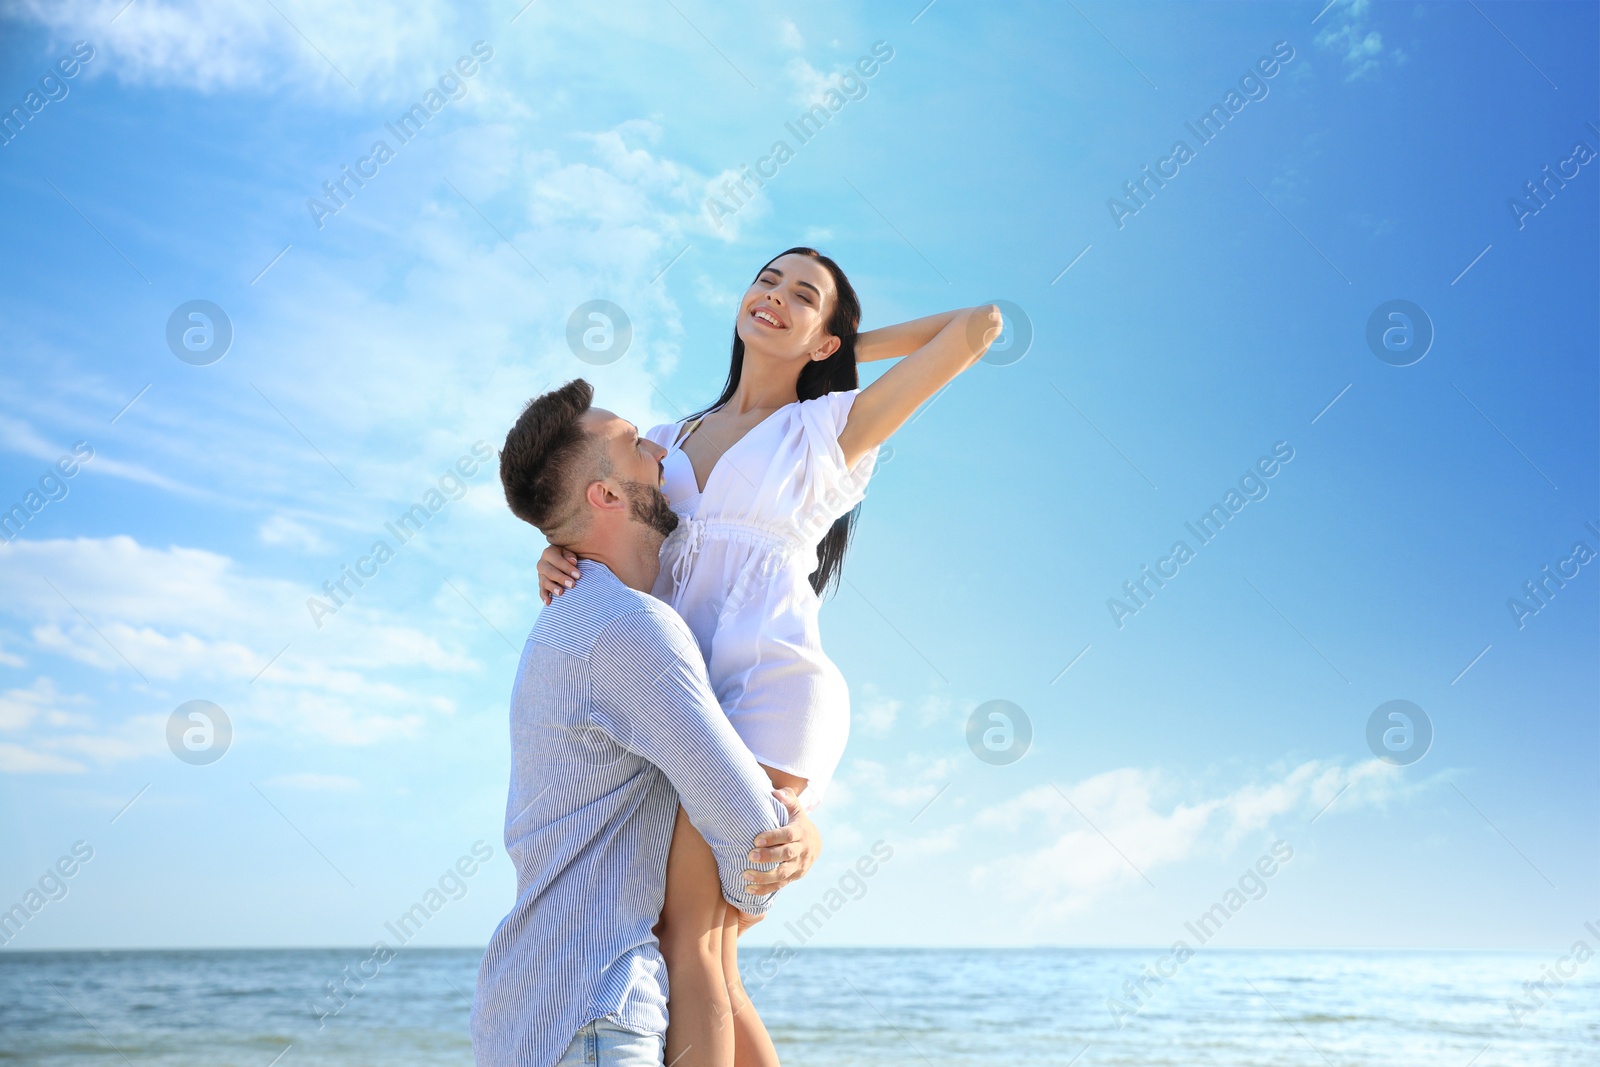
(1226, 315)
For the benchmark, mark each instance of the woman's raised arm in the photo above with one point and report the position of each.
(936, 349)
(901, 338)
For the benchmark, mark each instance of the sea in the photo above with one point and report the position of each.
(840, 1008)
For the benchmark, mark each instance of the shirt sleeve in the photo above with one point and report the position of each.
(651, 694)
(832, 487)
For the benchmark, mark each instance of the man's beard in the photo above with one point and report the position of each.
(648, 505)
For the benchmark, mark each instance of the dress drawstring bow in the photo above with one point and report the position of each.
(693, 537)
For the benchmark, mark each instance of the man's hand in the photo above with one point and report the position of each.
(795, 846)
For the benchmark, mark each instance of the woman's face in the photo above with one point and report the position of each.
(785, 311)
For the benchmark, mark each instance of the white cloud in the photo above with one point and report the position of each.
(1347, 35)
(135, 737)
(935, 708)
(15, 759)
(19, 436)
(809, 83)
(868, 784)
(20, 707)
(874, 713)
(282, 530)
(714, 294)
(45, 712)
(1110, 832)
(381, 46)
(187, 618)
(471, 319)
(441, 334)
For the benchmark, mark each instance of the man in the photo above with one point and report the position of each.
(613, 723)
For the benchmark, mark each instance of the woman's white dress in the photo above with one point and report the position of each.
(736, 570)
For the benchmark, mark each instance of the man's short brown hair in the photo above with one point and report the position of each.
(546, 450)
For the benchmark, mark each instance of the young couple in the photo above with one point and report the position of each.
(674, 717)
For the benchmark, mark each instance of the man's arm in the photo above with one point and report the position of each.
(652, 695)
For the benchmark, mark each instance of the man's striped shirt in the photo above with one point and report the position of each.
(613, 723)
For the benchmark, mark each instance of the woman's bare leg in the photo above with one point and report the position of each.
(751, 1043)
(690, 931)
(752, 1047)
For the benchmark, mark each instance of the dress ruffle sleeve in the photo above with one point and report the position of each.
(831, 488)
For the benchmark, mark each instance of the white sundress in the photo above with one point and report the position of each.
(736, 570)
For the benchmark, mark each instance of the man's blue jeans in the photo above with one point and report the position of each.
(602, 1043)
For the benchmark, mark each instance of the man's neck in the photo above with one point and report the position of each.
(634, 567)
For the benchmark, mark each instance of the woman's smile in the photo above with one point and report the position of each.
(764, 314)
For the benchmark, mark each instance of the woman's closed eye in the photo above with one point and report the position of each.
(770, 280)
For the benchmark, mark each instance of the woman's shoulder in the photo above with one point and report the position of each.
(834, 396)
(833, 403)
(826, 413)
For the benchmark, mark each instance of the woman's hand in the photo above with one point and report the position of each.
(960, 340)
(558, 569)
(794, 846)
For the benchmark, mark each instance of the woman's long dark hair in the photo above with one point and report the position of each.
(817, 377)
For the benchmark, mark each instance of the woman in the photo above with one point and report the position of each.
(765, 482)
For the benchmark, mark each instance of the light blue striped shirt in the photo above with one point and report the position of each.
(613, 722)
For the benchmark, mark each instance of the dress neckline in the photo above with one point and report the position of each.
(700, 490)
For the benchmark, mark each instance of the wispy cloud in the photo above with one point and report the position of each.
(1117, 830)
(282, 530)
(1347, 33)
(18, 435)
(286, 45)
(19, 708)
(15, 759)
(182, 617)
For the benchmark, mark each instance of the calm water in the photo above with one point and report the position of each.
(837, 1008)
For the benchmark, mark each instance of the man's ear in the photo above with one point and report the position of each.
(600, 496)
